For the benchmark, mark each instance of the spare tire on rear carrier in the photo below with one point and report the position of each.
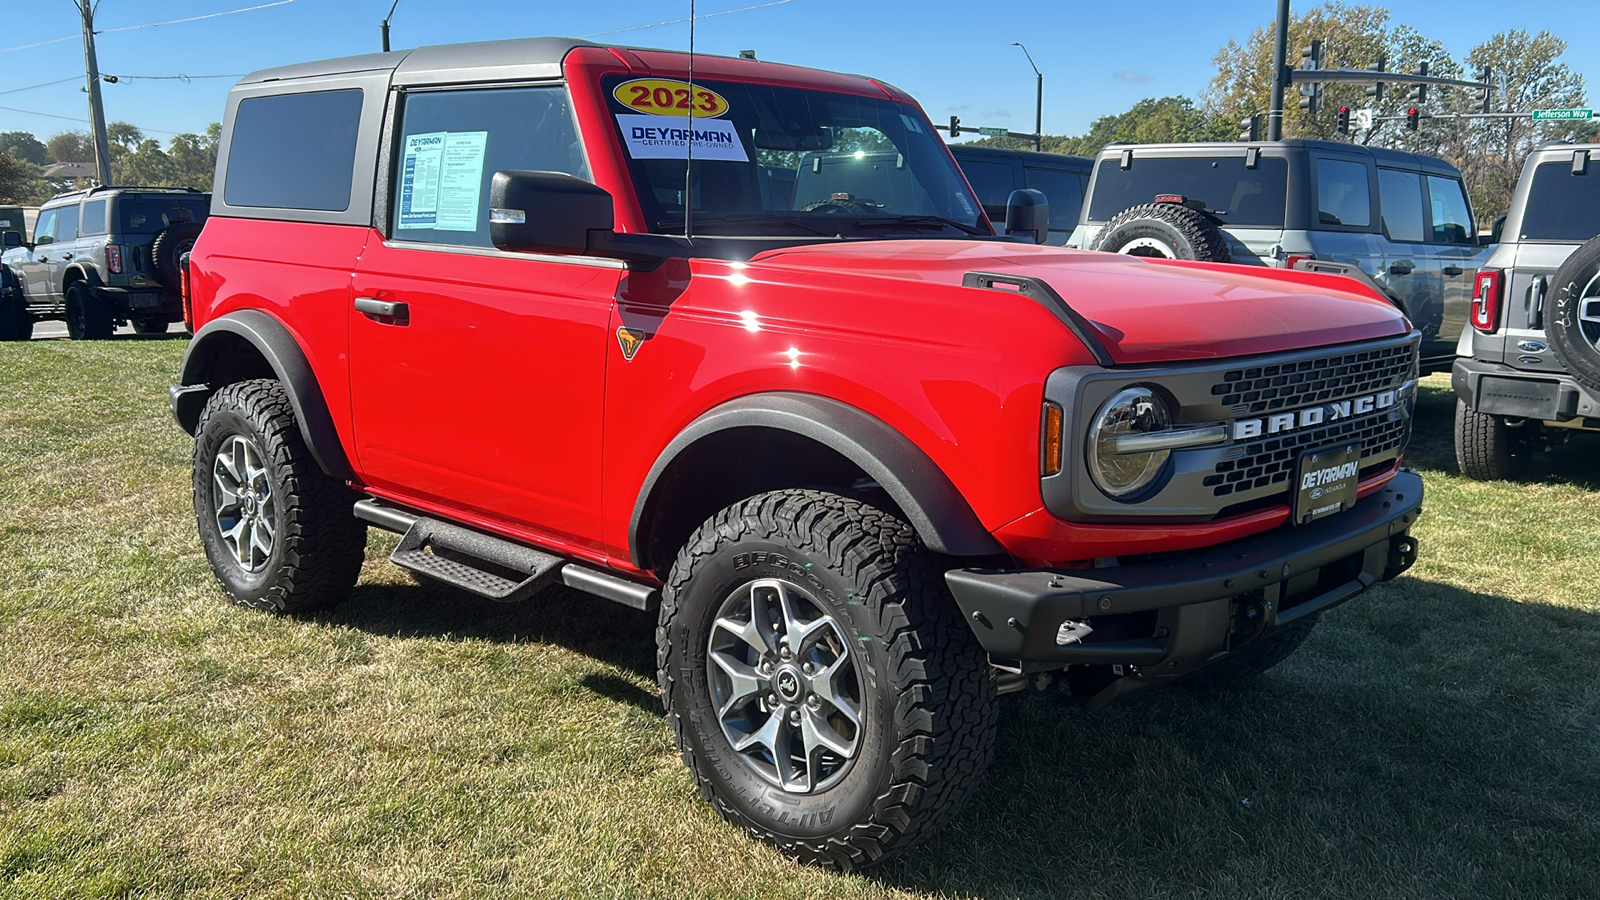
(169, 244)
(1164, 231)
(1574, 326)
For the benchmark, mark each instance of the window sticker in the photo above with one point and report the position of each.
(652, 137)
(441, 177)
(665, 97)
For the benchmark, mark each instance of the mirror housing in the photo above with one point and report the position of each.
(546, 212)
(1028, 212)
(13, 239)
(43, 239)
(1495, 229)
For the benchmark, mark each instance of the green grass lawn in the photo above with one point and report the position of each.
(1439, 736)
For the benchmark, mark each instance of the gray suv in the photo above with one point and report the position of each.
(101, 258)
(1530, 362)
(1402, 219)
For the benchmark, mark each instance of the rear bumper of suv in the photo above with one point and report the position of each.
(1495, 389)
(1169, 617)
(127, 302)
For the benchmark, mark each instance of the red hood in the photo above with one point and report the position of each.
(1144, 310)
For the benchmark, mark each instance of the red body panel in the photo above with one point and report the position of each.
(507, 402)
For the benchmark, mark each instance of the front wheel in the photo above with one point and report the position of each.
(823, 688)
(280, 534)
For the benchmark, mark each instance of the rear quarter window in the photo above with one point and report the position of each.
(294, 151)
(1562, 206)
(1232, 193)
(1344, 195)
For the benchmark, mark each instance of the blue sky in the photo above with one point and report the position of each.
(1097, 57)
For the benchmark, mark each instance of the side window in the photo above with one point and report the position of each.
(293, 151)
(452, 143)
(1065, 192)
(94, 217)
(67, 223)
(993, 183)
(44, 231)
(1343, 194)
(1452, 223)
(1400, 205)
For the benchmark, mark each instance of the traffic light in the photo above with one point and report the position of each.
(1413, 118)
(1419, 92)
(1344, 120)
(1308, 96)
(1486, 75)
(1311, 61)
(1252, 128)
(1375, 89)
(955, 126)
(1311, 56)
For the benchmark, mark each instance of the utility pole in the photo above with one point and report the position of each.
(97, 112)
(1038, 100)
(385, 25)
(1280, 75)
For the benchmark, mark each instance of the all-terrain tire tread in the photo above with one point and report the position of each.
(1483, 445)
(946, 711)
(326, 543)
(1208, 241)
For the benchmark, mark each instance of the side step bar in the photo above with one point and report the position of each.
(490, 566)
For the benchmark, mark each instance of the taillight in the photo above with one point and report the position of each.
(1050, 452)
(1291, 259)
(183, 291)
(1486, 293)
(114, 259)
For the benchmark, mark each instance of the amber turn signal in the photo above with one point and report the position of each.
(1051, 450)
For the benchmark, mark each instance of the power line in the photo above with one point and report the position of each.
(726, 12)
(74, 37)
(32, 112)
(33, 86)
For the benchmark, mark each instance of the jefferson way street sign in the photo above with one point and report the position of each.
(1550, 114)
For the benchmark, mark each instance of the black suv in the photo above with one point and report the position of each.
(1401, 219)
(101, 258)
(1529, 366)
(994, 172)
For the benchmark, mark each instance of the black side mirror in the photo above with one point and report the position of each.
(1495, 229)
(1028, 212)
(546, 212)
(13, 239)
(43, 239)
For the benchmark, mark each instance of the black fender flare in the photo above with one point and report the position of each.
(78, 272)
(205, 358)
(930, 501)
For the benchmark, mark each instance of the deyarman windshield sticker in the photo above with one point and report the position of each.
(667, 115)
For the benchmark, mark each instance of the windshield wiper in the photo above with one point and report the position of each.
(765, 218)
(915, 221)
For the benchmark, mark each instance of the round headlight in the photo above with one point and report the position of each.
(1131, 411)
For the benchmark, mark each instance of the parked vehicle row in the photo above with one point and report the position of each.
(99, 259)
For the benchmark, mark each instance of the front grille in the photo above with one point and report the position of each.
(1258, 390)
(1291, 385)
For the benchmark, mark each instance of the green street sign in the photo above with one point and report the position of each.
(994, 132)
(1542, 115)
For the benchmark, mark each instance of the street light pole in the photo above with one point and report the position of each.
(384, 24)
(1038, 100)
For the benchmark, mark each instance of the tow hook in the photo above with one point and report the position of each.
(1252, 621)
(1402, 555)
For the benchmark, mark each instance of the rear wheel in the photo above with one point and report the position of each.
(279, 533)
(1486, 448)
(148, 325)
(88, 319)
(824, 690)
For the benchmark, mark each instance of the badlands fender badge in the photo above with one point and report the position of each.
(629, 340)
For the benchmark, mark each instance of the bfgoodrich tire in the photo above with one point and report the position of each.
(823, 688)
(1574, 326)
(88, 319)
(1163, 230)
(279, 533)
(1486, 448)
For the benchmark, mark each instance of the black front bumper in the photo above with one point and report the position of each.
(1172, 616)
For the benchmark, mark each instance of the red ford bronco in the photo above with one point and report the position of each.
(735, 340)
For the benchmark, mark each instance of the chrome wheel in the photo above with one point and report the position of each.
(246, 513)
(785, 686)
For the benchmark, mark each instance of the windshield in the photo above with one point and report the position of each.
(1561, 206)
(1223, 185)
(149, 213)
(787, 161)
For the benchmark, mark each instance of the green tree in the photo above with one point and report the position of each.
(18, 178)
(148, 165)
(121, 137)
(70, 146)
(24, 146)
(1152, 120)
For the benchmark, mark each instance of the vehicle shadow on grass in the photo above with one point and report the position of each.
(1426, 741)
(1569, 460)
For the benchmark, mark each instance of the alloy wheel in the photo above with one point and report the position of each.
(246, 511)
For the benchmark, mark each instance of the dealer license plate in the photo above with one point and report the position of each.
(1326, 481)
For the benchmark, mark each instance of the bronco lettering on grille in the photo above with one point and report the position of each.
(1312, 416)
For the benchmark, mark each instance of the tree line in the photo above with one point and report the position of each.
(1526, 73)
(188, 160)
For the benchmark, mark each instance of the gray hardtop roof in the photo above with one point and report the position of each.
(1562, 149)
(525, 56)
(1055, 160)
(108, 190)
(1381, 155)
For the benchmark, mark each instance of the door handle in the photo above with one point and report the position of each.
(384, 311)
(1453, 271)
(1401, 268)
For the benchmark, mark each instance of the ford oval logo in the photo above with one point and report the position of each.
(1530, 346)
